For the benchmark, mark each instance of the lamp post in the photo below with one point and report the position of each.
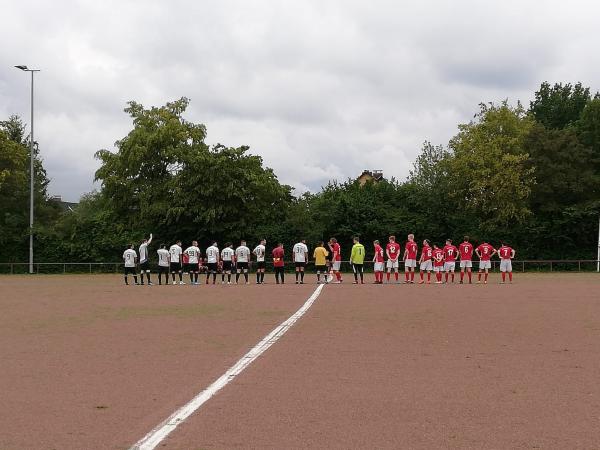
(31, 171)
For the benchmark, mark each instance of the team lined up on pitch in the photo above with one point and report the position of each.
(230, 262)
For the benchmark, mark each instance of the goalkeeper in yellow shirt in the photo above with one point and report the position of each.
(357, 258)
(320, 254)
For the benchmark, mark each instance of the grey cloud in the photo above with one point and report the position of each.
(321, 90)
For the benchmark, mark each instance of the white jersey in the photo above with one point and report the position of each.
(193, 254)
(175, 252)
(227, 254)
(212, 254)
(163, 257)
(144, 252)
(242, 254)
(129, 257)
(300, 251)
(259, 251)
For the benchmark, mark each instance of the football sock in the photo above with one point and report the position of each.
(302, 276)
(510, 276)
(406, 275)
(396, 275)
(257, 277)
(126, 282)
(361, 276)
(135, 279)
(297, 273)
(469, 274)
(479, 276)
(148, 277)
(503, 276)
(318, 276)
(229, 278)
(173, 275)
(452, 277)
(462, 276)
(387, 276)
(180, 276)
(237, 277)
(428, 277)
(262, 277)
(355, 276)
(446, 277)
(412, 276)
(421, 275)
(246, 276)
(223, 277)
(214, 277)
(486, 276)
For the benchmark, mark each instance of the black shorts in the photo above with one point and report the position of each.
(145, 266)
(227, 265)
(300, 264)
(357, 268)
(212, 267)
(130, 270)
(163, 269)
(190, 267)
(242, 266)
(260, 264)
(175, 267)
(321, 268)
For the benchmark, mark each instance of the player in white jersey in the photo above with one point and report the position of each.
(242, 257)
(193, 262)
(300, 255)
(175, 252)
(227, 255)
(130, 259)
(145, 260)
(163, 263)
(212, 260)
(260, 252)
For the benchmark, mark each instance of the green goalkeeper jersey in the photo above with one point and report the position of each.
(358, 254)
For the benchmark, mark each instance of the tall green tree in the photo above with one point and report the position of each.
(559, 106)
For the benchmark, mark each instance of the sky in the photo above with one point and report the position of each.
(320, 89)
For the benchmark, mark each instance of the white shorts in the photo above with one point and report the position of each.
(466, 263)
(438, 268)
(410, 263)
(426, 265)
(485, 265)
(449, 266)
(336, 266)
(392, 264)
(378, 267)
(505, 265)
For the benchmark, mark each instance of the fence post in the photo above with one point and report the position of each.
(579, 264)
(64, 268)
(550, 266)
(12, 270)
(523, 262)
(38, 268)
(116, 268)
(90, 267)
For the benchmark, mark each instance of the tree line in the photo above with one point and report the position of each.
(530, 177)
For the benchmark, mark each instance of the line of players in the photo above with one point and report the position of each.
(230, 261)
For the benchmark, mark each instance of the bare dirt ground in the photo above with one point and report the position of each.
(88, 363)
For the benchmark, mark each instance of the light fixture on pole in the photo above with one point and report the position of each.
(31, 171)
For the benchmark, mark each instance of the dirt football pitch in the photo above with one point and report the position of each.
(88, 363)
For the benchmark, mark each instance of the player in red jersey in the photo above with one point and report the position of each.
(378, 262)
(392, 251)
(450, 254)
(506, 254)
(336, 259)
(466, 258)
(438, 263)
(425, 264)
(410, 259)
(485, 252)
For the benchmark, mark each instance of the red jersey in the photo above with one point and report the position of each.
(505, 252)
(486, 251)
(278, 257)
(393, 250)
(438, 257)
(466, 251)
(336, 249)
(379, 253)
(426, 253)
(412, 249)
(450, 253)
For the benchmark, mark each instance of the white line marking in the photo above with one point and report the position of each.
(156, 436)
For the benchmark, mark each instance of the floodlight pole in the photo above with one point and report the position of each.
(31, 170)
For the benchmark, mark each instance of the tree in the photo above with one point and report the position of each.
(488, 166)
(559, 106)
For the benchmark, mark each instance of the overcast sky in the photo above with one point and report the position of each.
(319, 89)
